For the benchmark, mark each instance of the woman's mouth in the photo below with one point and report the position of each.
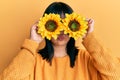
(61, 37)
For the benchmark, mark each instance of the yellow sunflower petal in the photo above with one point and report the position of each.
(42, 29)
(81, 20)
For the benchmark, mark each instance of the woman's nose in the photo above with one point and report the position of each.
(61, 32)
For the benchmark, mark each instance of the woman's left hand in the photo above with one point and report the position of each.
(90, 27)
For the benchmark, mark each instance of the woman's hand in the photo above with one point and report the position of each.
(90, 27)
(34, 36)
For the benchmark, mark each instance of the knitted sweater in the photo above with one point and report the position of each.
(94, 63)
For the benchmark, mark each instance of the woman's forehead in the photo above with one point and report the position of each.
(62, 15)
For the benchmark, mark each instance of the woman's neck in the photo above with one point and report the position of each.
(59, 51)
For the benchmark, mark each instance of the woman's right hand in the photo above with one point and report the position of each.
(34, 35)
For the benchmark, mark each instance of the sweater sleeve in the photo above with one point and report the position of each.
(23, 64)
(107, 65)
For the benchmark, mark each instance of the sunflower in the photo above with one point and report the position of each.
(49, 26)
(75, 25)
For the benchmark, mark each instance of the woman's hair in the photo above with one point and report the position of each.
(48, 52)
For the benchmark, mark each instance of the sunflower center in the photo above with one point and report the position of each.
(74, 25)
(51, 25)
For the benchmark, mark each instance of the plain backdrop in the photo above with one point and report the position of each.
(17, 17)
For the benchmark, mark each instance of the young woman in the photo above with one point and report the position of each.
(60, 59)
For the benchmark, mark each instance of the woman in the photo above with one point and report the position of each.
(60, 59)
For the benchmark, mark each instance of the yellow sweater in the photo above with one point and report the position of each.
(93, 64)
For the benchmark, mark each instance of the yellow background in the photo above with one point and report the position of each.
(17, 16)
